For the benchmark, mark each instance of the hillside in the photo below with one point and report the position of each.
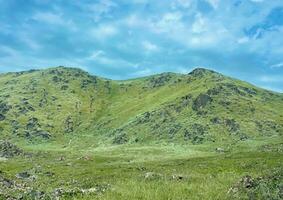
(198, 135)
(193, 108)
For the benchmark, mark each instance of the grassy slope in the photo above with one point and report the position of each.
(146, 110)
(208, 174)
(102, 111)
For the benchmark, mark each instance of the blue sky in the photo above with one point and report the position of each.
(123, 39)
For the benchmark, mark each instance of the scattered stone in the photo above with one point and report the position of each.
(272, 148)
(23, 175)
(232, 125)
(216, 120)
(4, 107)
(196, 134)
(64, 87)
(201, 101)
(263, 187)
(219, 150)
(32, 124)
(152, 176)
(178, 177)
(2, 117)
(69, 125)
(86, 158)
(121, 139)
(49, 173)
(9, 150)
(160, 80)
(98, 189)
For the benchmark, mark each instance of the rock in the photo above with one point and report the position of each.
(144, 118)
(37, 195)
(215, 120)
(23, 175)
(200, 72)
(160, 80)
(2, 117)
(9, 150)
(196, 134)
(86, 158)
(98, 189)
(69, 125)
(178, 177)
(234, 89)
(201, 101)
(250, 91)
(4, 107)
(56, 79)
(232, 125)
(85, 83)
(121, 139)
(219, 150)
(32, 124)
(152, 176)
(43, 134)
(173, 129)
(215, 91)
(4, 182)
(64, 87)
(185, 100)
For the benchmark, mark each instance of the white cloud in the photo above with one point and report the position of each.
(169, 21)
(103, 7)
(104, 31)
(214, 3)
(101, 57)
(149, 46)
(96, 54)
(199, 24)
(49, 17)
(243, 40)
(278, 65)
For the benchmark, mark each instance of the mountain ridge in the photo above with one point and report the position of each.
(201, 106)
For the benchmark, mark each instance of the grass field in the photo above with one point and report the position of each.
(148, 172)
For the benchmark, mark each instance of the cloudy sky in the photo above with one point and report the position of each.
(130, 38)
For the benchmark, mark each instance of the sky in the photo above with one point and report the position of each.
(124, 39)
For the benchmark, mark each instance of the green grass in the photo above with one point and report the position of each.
(208, 174)
(108, 109)
(163, 125)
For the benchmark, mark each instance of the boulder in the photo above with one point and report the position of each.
(2, 117)
(178, 177)
(152, 176)
(219, 150)
(121, 139)
(232, 125)
(69, 125)
(8, 150)
(32, 124)
(201, 101)
(23, 175)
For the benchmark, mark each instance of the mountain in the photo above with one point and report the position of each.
(203, 106)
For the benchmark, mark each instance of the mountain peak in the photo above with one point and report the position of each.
(201, 72)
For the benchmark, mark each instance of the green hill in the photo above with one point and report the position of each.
(194, 136)
(202, 106)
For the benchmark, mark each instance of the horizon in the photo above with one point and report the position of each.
(122, 40)
(144, 76)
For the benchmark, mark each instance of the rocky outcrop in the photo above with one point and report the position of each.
(9, 150)
(201, 102)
